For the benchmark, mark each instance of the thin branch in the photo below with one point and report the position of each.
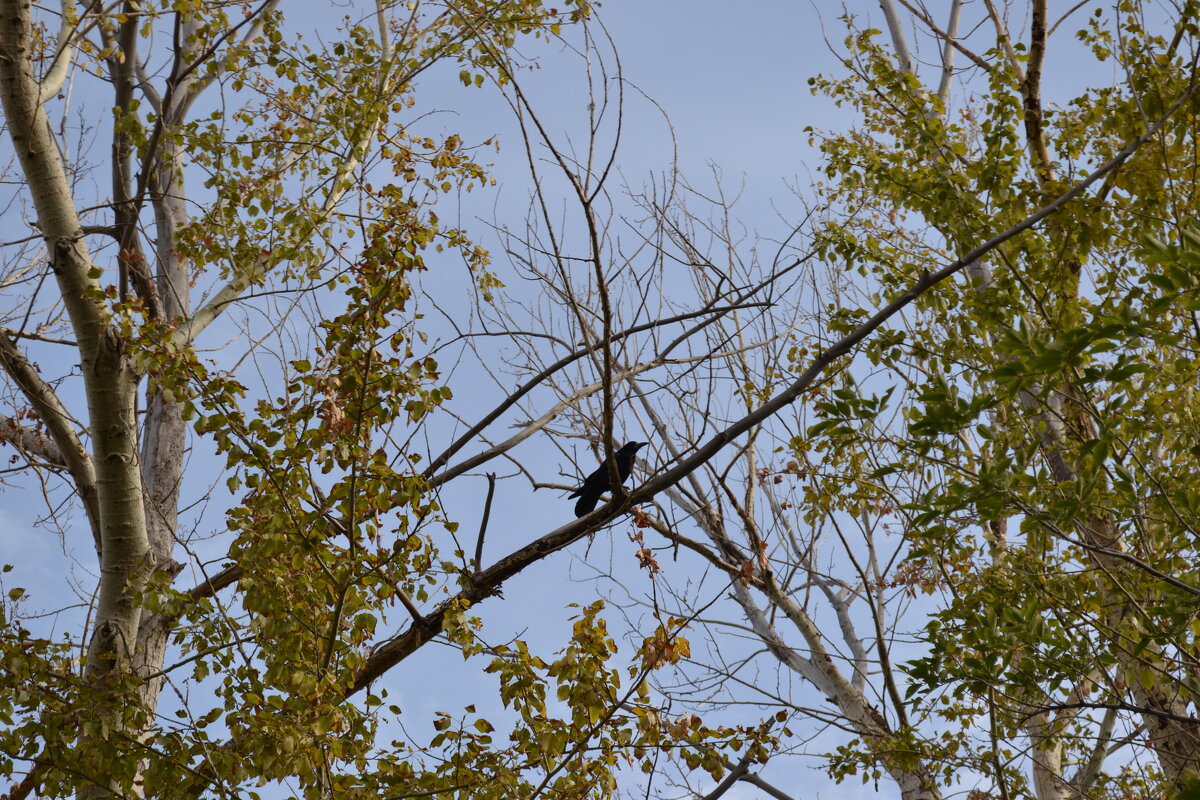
(483, 523)
(1120, 706)
(70, 31)
(59, 425)
(1083, 780)
(16, 334)
(1080, 5)
(531, 384)
(948, 36)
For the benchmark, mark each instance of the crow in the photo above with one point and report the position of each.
(597, 483)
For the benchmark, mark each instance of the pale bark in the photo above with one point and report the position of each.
(817, 666)
(64, 446)
(109, 383)
(165, 432)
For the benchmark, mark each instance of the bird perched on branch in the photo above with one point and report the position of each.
(597, 483)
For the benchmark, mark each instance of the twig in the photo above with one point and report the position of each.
(483, 523)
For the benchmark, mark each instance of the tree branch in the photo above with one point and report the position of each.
(531, 384)
(31, 442)
(948, 36)
(69, 32)
(59, 424)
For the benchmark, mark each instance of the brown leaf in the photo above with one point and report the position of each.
(646, 560)
(331, 413)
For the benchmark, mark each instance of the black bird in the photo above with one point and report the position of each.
(597, 483)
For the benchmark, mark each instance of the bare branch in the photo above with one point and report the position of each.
(59, 424)
(949, 37)
(483, 523)
(515, 396)
(899, 41)
(30, 441)
(71, 30)
(948, 53)
(1014, 61)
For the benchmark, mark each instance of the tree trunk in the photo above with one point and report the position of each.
(109, 383)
